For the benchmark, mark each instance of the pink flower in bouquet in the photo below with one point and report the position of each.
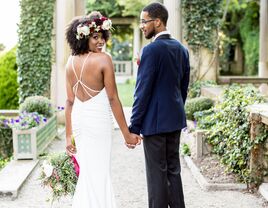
(138, 57)
(76, 165)
(55, 174)
(138, 61)
(60, 172)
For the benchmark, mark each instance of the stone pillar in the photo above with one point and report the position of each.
(206, 64)
(257, 151)
(80, 7)
(237, 64)
(263, 60)
(263, 57)
(64, 13)
(174, 23)
(136, 48)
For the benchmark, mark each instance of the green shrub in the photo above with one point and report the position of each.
(228, 125)
(204, 123)
(39, 104)
(3, 162)
(195, 87)
(8, 81)
(185, 150)
(197, 104)
(6, 145)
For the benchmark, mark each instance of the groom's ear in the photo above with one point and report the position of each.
(158, 22)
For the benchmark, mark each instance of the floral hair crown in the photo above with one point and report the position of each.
(95, 25)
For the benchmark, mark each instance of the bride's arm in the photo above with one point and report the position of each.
(68, 111)
(116, 106)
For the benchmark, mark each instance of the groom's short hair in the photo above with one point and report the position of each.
(157, 10)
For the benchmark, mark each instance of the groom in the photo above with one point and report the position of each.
(158, 109)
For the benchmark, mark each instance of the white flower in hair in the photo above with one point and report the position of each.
(97, 29)
(107, 24)
(82, 30)
(93, 24)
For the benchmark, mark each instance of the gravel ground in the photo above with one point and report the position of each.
(213, 170)
(130, 185)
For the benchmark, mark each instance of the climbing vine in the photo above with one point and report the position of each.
(34, 47)
(201, 20)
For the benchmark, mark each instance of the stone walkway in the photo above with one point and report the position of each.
(128, 175)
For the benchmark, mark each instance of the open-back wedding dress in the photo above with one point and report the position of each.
(92, 130)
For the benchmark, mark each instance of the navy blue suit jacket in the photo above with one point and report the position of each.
(161, 88)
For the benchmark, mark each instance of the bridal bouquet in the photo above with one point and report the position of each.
(60, 172)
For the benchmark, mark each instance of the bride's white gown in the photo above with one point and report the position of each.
(92, 129)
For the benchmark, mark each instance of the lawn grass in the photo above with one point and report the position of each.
(126, 92)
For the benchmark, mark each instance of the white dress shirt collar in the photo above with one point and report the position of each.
(166, 32)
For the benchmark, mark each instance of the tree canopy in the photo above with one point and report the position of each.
(117, 8)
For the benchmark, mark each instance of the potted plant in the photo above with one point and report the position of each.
(34, 128)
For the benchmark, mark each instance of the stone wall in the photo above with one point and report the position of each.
(259, 154)
(265, 161)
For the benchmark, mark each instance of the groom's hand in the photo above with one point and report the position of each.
(133, 140)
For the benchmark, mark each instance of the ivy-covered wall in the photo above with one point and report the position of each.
(34, 47)
(201, 19)
(201, 24)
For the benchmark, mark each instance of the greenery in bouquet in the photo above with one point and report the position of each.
(59, 172)
(25, 121)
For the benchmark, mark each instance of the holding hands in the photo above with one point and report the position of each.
(132, 140)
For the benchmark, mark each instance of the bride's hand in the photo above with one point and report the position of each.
(70, 149)
(132, 140)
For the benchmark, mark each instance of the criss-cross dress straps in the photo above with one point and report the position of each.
(79, 80)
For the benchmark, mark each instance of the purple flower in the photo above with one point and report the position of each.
(60, 108)
(5, 122)
(195, 123)
(25, 120)
(44, 119)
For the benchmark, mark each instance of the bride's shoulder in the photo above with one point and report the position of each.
(108, 54)
(104, 56)
(68, 63)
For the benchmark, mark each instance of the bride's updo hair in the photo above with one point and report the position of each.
(79, 42)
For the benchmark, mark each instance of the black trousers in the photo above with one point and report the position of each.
(163, 170)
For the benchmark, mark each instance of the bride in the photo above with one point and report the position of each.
(91, 97)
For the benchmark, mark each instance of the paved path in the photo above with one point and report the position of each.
(130, 185)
